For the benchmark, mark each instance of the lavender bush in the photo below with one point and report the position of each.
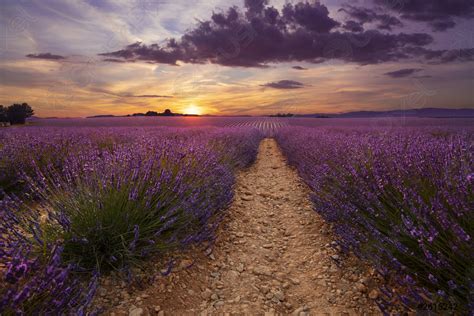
(403, 199)
(116, 208)
(32, 282)
(110, 198)
(23, 150)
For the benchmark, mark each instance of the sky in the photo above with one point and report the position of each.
(235, 57)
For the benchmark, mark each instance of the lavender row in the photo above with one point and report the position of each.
(107, 199)
(402, 199)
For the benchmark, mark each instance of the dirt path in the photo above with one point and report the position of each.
(273, 255)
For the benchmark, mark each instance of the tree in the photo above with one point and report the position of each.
(18, 113)
(167, 112)
(151, 113)
(3, 114)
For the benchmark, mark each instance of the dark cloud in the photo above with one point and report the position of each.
(439, 14)
(255, 7)
(150, 96)
(46, 56)
(388, 22)
(310, 16)
(114, 60)
(423, 77)
(361, 15)
(443, 56)
(299, 68)
(353, 26)
(440, 26)
(382, 47)
(284, 84)
(300, 32)
(403, 72)
(169, 54)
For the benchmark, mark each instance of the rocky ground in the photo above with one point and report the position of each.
(273, 255)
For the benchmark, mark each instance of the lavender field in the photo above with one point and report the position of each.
(84, 199)
(236, 157)
(402, 199)
(91, 200)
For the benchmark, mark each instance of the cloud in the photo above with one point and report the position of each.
(46, 56)
(310, 16)
(423, 77)
(299, 68)
(402, 72)
(128, 95)
(440, 26)
(284, 84)
(443, 56)
(353, 26)
(439, 14)
(114, 60)
(262, 35)
(149, 96)
(365, 15)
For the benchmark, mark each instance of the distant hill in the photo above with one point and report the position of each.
(167, 112)
(99, 116)
(37, 118)
(425, 112)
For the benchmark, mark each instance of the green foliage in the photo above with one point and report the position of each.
(113, 216)
(3, 114)
(18, 113)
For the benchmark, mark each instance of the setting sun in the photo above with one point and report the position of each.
(193, 109)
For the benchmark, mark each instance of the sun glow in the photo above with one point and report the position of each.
(193, 109)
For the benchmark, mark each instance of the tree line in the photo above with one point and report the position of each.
(15, 113)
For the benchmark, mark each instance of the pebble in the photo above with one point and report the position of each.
(262, 271)
(374, 294)
(206, 294)
(264, 289)
(301, 309)
(295, 281)
(361, 288)
(184, 264)
(219, 303)
(135, 311)
(240, 267)
(279, 295)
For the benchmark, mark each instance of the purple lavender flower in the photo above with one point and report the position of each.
(402, 200)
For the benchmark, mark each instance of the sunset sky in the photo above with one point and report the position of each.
(235, 57)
